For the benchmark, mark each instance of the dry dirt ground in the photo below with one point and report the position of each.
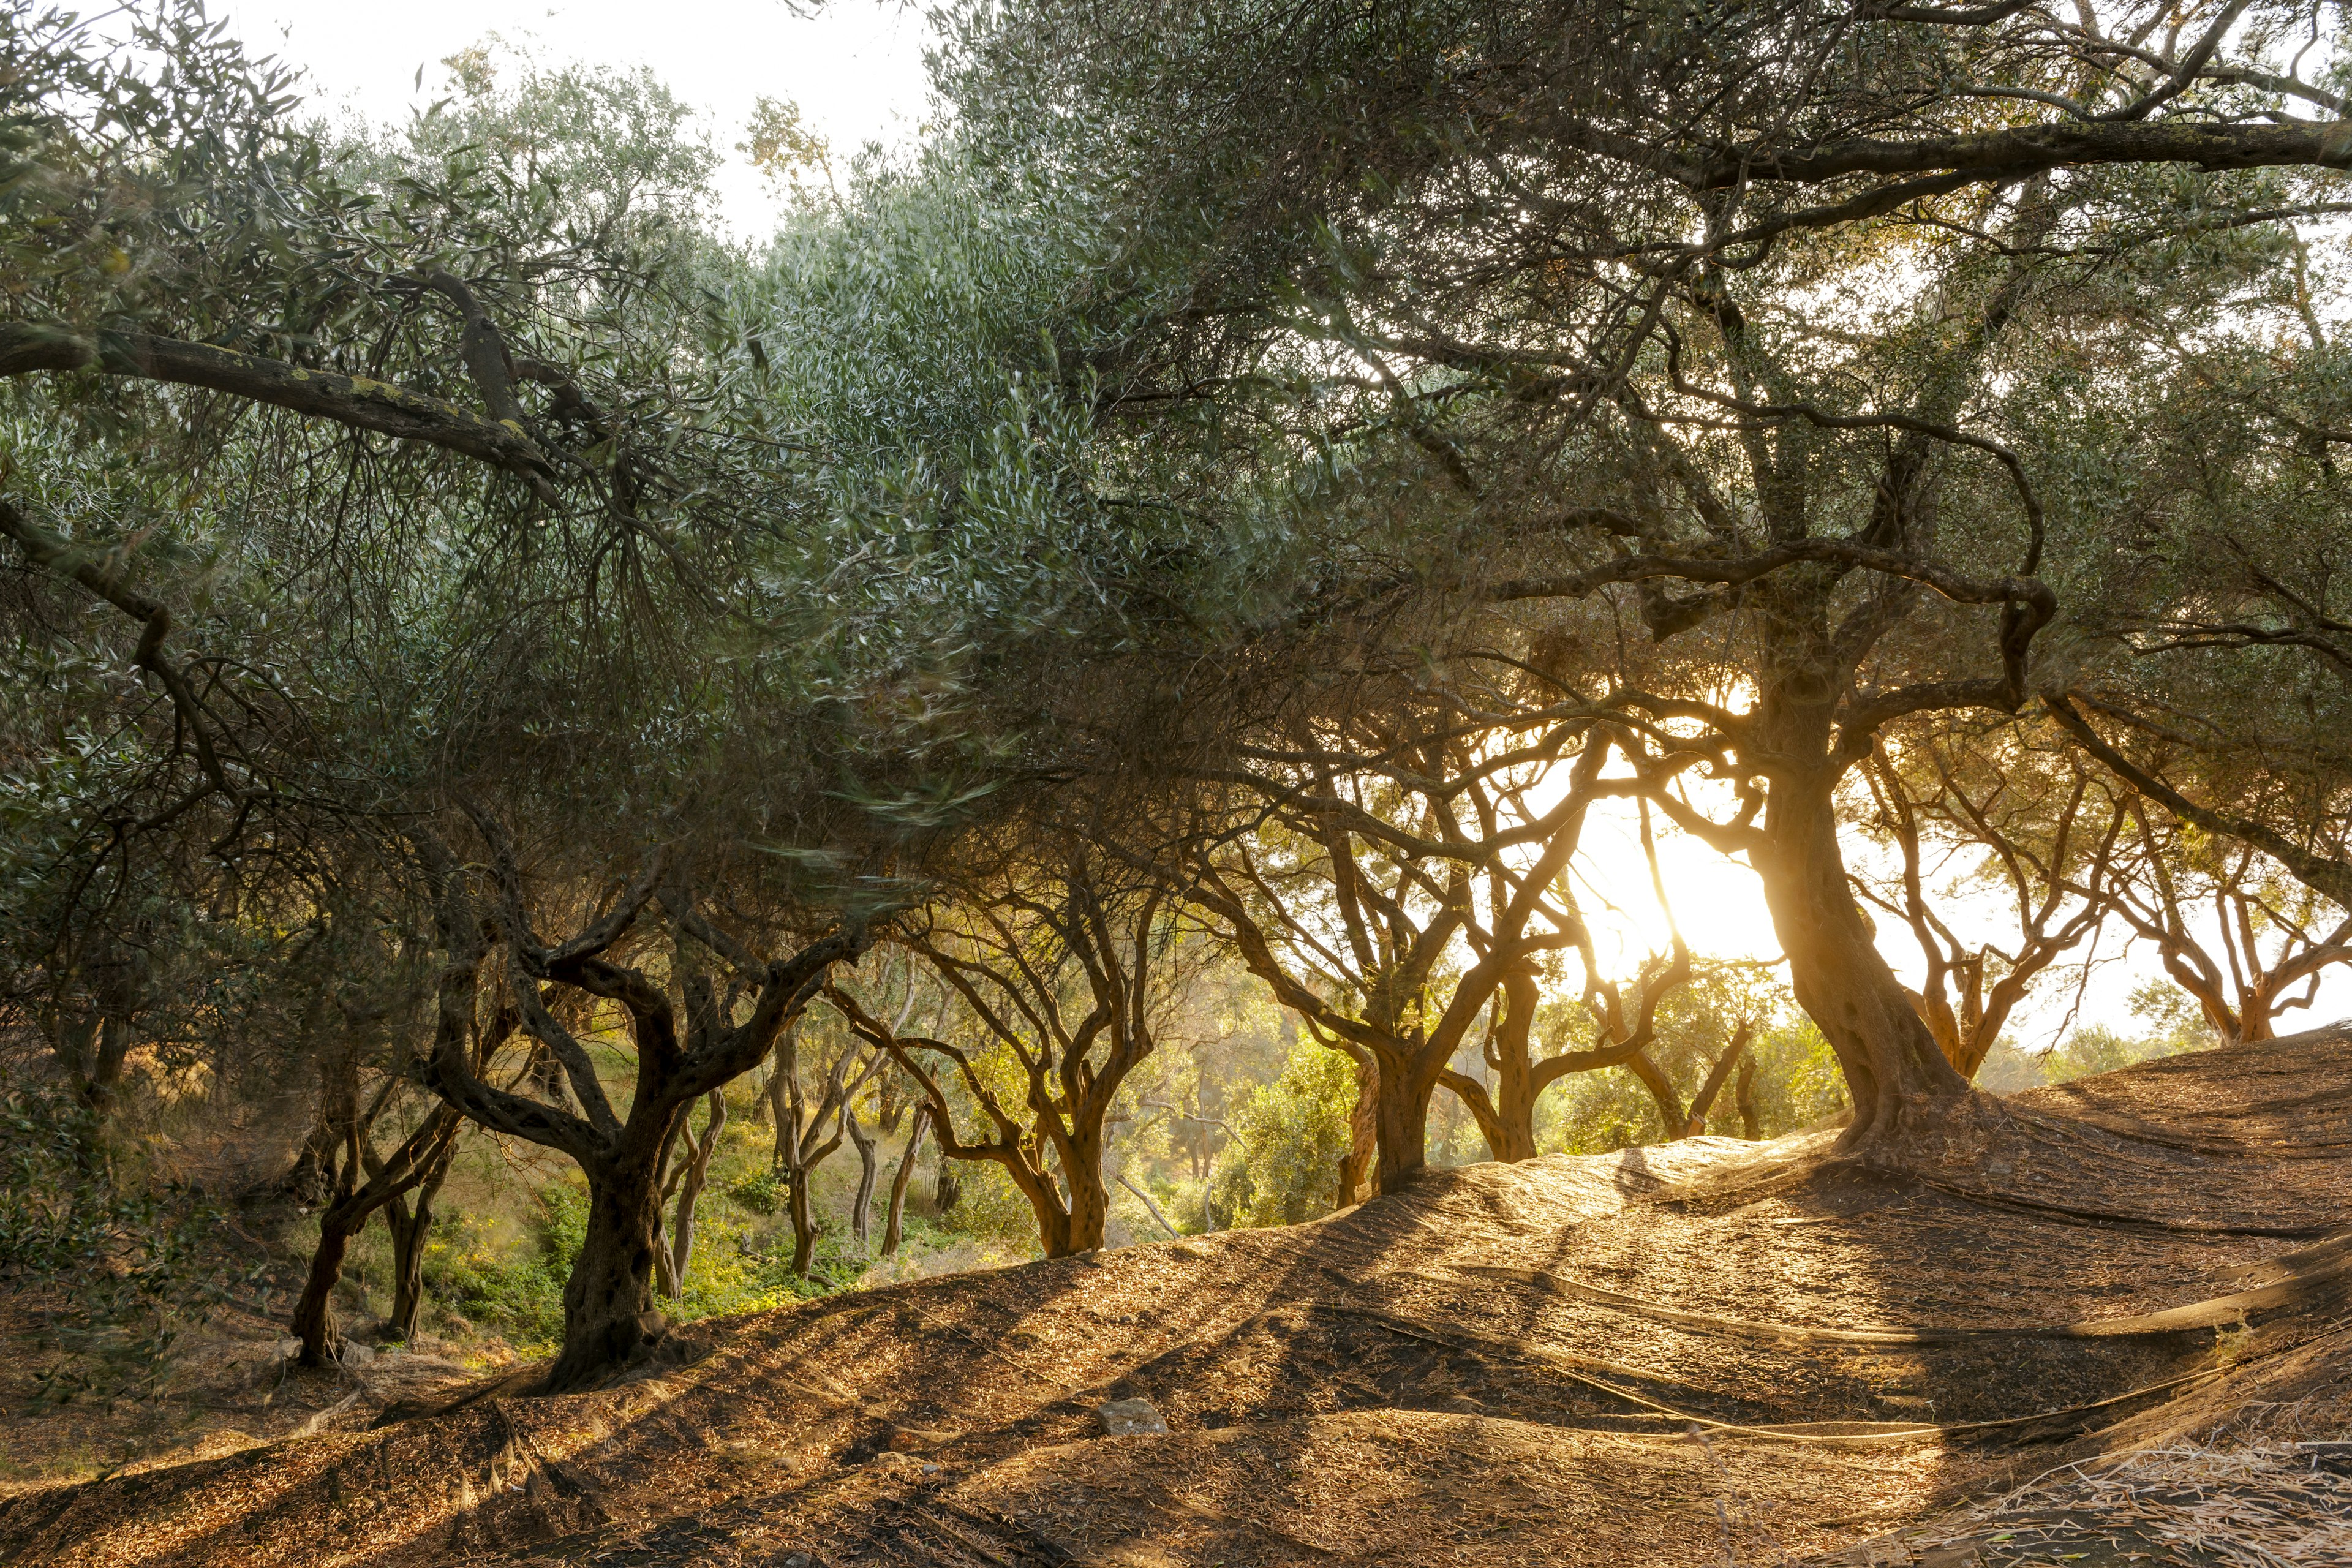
(224, 1384)
(2104, 1324)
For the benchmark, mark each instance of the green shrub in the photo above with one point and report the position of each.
(1798, 1080)
(129, 1260)
(1597, 1113)
(521, 1295)
(2097, 1050)
(760, 1192)
(992, 1205)
(1289, 1136)
(517, 1291)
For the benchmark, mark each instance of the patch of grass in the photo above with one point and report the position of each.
(739, 1264)
(518, 1291)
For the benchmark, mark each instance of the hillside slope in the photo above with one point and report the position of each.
(1682, 1354)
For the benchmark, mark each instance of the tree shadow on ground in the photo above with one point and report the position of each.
(1502, 1364)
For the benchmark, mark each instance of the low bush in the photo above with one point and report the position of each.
(125, 1260)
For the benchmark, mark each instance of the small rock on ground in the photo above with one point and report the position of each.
(1130, 1417)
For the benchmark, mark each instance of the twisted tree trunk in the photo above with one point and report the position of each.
(687, 1180)
(894, 1224)
(1363, 1132)
(610, 1318)
(410, 1166)
(1734, 1055)
(798, 1208)
(410, 1229)
(869, 1167)
(1892, 1065)
(1401, 1099)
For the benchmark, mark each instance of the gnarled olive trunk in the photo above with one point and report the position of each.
(687, 1179)
(1512, 1135)
(1363, 1132)
(422, 1158)
(609, 1315)
(1089, 1193)
(1891, 1063)
(94, 1055)
(1670, 1114)
(1400, 1119)
(410, 1226)
(895, 1222)
(869, 1171)
(1066, 1231)
(799, 1209)
(1509, 1130)
(1071, 1213)
(311, 1179)
(314, 1311)
(777, 1091)
(1734, 1055)
(1505, 1111)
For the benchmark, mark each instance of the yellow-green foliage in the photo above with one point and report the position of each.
(992, 1206)
(1283, 1165)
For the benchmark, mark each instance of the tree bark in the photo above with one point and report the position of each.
(314, 1311)
(780, 1112)
(803, 1142)
(690, 1179)
(1517, 1086)
(1363, 1131)
(1892, 1062)
(410, 1229)
(1070, 1213)
(425, 1151)
(1054, 1229)
(894, 1224)
(803, 1218)
(311, 1180)
(1670, 1114)
(1507, 1115)
(358, 403)
(94, 1056)
(543, 1075)
(1734, 1054)
(870, 1168)
(610, 1318)
(1400, 1116)
(1089, 1195)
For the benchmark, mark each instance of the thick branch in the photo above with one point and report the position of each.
(2329, 879)
(358, 401)
(2030, 148)
(1954, 585)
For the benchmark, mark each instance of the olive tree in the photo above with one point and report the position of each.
(1763, 334)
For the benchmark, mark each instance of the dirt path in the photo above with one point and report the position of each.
(1507, 1365)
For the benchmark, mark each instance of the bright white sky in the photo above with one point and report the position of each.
(854, 67)
(1719, 905)
(856, 70)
